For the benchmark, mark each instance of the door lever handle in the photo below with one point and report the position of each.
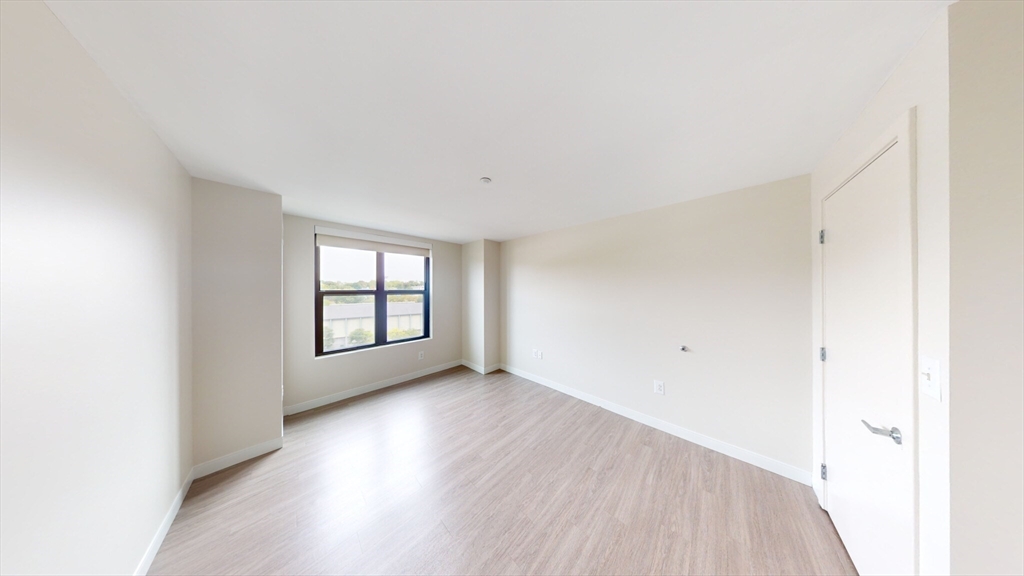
(893, 432)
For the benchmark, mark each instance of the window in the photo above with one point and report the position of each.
(369, 293)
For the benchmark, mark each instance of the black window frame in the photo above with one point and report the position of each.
(380, 307)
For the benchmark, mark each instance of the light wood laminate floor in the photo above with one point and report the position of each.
(458, 473)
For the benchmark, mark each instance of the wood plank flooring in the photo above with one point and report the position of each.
(458, 473)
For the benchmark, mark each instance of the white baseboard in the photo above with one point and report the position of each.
(346, 394)
(761, 461)
(481, 369)
(472, 366)
(161, 532)
(218, 464)
(204, 469)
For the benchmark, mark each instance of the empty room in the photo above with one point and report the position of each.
(475, 288)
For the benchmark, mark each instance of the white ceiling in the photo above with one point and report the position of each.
(386, 114)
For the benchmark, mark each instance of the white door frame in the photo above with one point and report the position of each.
(904, 130)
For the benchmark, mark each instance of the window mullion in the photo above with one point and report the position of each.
(380, 301)
(426, 297)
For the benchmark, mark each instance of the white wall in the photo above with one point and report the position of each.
(95, 430)
(921, 80)
(473, 292)
(609, 303)
(492, 305)
(481, 329)
(236, 287)
(311, 381)
(986, 124)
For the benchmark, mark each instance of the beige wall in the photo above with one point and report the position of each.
(609, 304)
(481, 329)
(309, 380)
(921, 81)
(95, 430)
(236, 329)
(986, 125)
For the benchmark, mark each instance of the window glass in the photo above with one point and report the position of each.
(403, 272)
(347, 269)
(348, 321)
(405, 316)
(367, 298)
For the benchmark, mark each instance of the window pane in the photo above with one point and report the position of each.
(347, 269)
(348, 321)
(405, 316)
(403, 272)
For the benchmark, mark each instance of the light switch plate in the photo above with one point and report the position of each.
(930, 378)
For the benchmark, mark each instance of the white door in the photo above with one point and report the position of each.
(869, 365)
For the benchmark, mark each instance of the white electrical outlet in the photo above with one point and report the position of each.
(421, 355)
(538, 354)
(659, 387)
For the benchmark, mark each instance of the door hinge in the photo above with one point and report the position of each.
(822, 354)
(824, 472)
(821, 237)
